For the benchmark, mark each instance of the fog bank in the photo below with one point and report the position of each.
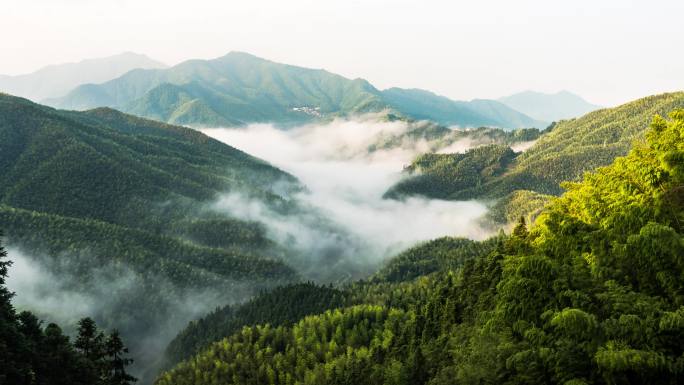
(346, 174)
(147, 310)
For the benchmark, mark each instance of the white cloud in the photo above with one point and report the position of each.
(346, 182)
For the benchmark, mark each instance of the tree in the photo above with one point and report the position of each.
(117, 360)
(90, 344)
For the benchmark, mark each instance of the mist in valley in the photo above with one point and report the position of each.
(346, 173)
(341, 230)
(147, 310)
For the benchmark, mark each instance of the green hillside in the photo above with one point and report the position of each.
(103, 164)
(564, 153)
(442, 175)
(281, 306)
(101, 196)
(239, 88)
(235, 89)
(592, 294)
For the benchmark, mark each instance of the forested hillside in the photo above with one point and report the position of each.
(568, 150)
(281, 306)
(100, 196)
(592, 294)
(238, 88)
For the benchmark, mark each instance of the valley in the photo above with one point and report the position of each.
(341, 193)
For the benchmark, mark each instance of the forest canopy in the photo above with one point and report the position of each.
(593, 293)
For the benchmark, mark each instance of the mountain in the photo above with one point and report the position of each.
(116, 210)
(239, 88)
(234, 89)
(564, 153)
(591, 294)
(57, 80)
(425, 105)
(549, 107)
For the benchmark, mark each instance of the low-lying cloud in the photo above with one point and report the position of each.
(346, 176)
(147, 310)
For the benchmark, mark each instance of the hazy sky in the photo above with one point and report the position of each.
(607, 51)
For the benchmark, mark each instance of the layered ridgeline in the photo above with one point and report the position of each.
(239, 88)
(57, 80)
(549, 107)
(115, 211)
(592, 294)
(564, 152)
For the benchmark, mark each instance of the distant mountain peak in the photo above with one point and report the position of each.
(58, 79)
(240, 88)
(549, 106)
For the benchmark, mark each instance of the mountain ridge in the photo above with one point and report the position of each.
(56, 80)
(239, 88)
(550, 107)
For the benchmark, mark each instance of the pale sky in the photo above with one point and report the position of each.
(607, 51)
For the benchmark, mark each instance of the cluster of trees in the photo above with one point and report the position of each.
(592, 294)
(33, 354)
(443, 175)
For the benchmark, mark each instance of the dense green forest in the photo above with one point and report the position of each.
(239, 88)
(102, 196)
(564, 153)
(591, 294)
(442, 175)
(37, 354)
(281, 306)
(519, 203)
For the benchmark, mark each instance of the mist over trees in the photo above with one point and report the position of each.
(126, 232)
(592, 293)
(37, 354)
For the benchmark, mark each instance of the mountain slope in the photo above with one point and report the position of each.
(239, 88)
(549, 107)
(48, 157)
(234, 89)
(57, 80)
(425, 105)
(565, 153)
(116, 210)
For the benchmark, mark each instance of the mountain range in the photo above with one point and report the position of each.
(57, 80)
(239, 88)
(549, 107)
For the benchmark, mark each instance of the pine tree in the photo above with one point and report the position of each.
(90, 344)
(117, 360)
(14, 354)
